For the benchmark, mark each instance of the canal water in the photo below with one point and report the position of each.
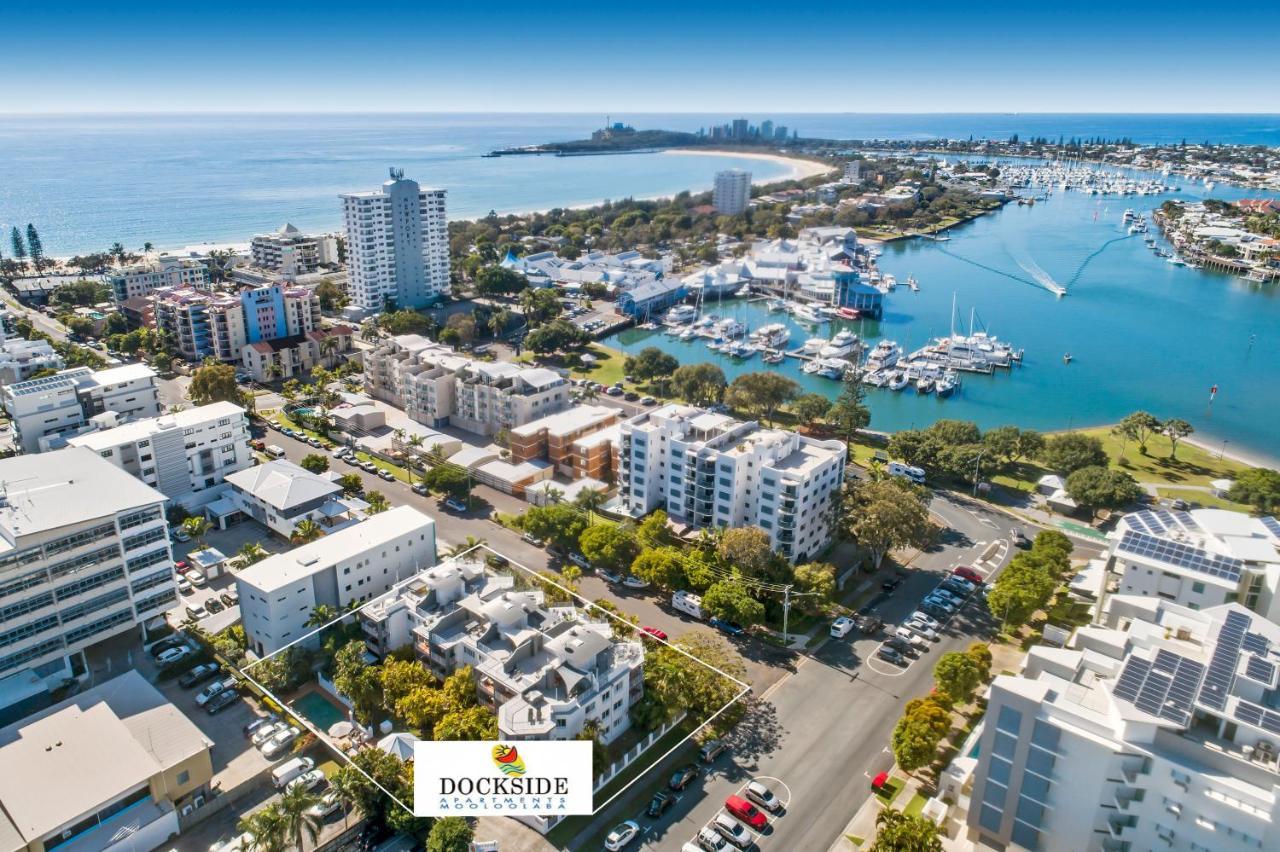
(1142, 332)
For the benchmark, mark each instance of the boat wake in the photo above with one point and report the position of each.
(1039, 285)
(1037, 272)
(1099, 250)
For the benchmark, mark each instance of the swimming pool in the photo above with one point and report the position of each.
(318, 710)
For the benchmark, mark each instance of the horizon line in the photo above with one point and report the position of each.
(756, 110)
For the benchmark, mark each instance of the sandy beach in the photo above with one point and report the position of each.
(800, 169)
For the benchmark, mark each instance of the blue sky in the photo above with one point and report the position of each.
(654, 56)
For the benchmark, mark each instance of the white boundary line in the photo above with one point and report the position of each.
(536, 577)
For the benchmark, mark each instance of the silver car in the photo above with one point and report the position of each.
(279, 743)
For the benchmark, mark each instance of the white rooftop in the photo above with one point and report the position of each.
(121, 375)
(64, 487)
(565, 422)
(283, 484)
(140, 429)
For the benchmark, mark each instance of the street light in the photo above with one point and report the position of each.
(976, 463)
(1223, 451)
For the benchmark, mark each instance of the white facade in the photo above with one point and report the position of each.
(437, 387)
(141, 280)
(1199, 559)
(44, 410)
(186, 455)
(291, 253)
(545, 671)
(1158, 731)
(732, 192)
(397, 245)
(708, 469)
(349, 566)
(19, 359)
(84, 555)
(280, 495)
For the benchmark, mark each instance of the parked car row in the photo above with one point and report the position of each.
(920, 629)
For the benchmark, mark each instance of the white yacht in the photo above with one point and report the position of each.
(682, 314)
(776, 305)
(829, 311)
(812, 367)
(947, 383)
(924, 384)
(688, 334)
(741, 349)
(897, 381)
(808, 313)
(841, 345)
(813, 345)
(885, 354)
(876, 379)
(730, 328)
(771, 336)
(834, 368)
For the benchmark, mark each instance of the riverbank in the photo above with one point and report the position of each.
(801, 168)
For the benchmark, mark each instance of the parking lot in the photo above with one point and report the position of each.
(228, 542)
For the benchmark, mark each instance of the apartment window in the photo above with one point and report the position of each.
(1197, 588)
(1004, 745)
(1025, 836)
(999, 770)
(1046, 736)
(1010, 721)
(989, 818)
(1035, 787)
(1040, 762)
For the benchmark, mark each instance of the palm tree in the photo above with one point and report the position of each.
(197, 527)
(307, 530)
(554, 495)
(251, 552)
(498, 321)
(117, 251)
(274, 370)
(321, 615)
(295, 812)
(146, 247)
(589, 499)
(377, 502)
(328, 347)
(267, 830)
(589, 392)
(470, 543)
(369, 331)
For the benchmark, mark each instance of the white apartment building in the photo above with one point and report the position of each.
(44, 410)
(186, 455)
(1157, 730)
(1199, 559)
(221, 325)
(142, 279)
(732, 192)
(438, 387)
(84, 556)
(280, 495)
(291, 253)
(709, 469)
(546, 671)
(349, 566)
(19, 359)
(397, 245)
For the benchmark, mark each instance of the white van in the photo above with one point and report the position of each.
(906, 471)
(688, 603)
(276, 452)
(291, 769)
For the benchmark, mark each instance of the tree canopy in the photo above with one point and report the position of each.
(608, 546)
(1070, 451)
(699, 384)
(884, 514)
(762, 394)
(1259, 487)
(1102, 488)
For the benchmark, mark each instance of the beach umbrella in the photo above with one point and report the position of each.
(340, 729)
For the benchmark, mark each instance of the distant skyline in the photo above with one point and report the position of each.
(657, 57)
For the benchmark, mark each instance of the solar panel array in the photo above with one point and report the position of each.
(1222, 665)
(1259, 717)
(1160, 522)
(1165, 687)
(1256, 643)
(1260, 670)
(1181, 555)
(1272, 524)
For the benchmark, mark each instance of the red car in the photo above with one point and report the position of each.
(747, 812)
(654, 632)
(966, 573)
(181, 567)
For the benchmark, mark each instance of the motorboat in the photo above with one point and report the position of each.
(924, 384)
(688, 334)
(829, 311)
(773, 356)
(848, 313)
(772, 335)
(812, 367)
(682, 314)
(833, 368)
(741, 349)
(808, 313)
(885, 354)
(813, 345)
(876, 379)
(776, 305)
(947, 384)
(842, 344)
(897, 381)
(730, 328)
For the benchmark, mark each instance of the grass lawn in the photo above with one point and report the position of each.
(1193, 466)
(915, 806)
(1204, 498)
(890, 790)
(607, 369)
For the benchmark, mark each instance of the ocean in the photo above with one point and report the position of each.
(1142, 333)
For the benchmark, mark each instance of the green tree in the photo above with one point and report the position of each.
(558, 523)
(1258, 487)
(728, 600)
(1023, 587)
(448, 480)
(377, 501)
(761, 393)
(321, 614)
(1010, 444)
(699, 384)
(351, 484)
(197, 527)
(609, 547)
(540, 305)
(882, 515)
(749, 550)
(957, 675)
(849, 413)
(295, 812)
(331, 296)
(1068, 452)
(35, 248)
(315, 463)
(1138, 427)
(650, 363)
(817, 580)
(1175, 429)
(19, 247)
(981, 656)
(684, 679)
(811, 408)
(473, 723)
(915, 739)
(555, 336)
(422, 708)
(467, 544)
(1102, 488)
(591, 499)
(662, 566)
(267, 828)
(358, 681)
(653, 531)
(305, 531)
(399, 678)
(499, 281)
(450, 834)
(214, 382)
(898, 832)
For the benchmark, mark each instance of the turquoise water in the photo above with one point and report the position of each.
(1142, 332)
(318, 710)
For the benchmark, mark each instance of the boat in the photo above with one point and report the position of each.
(1066, 359)
(842, 344)
(813, 345)
(924, 384)
(812, 367)
(741, 349)
(776, 305)
(1128, 214)
(773, 356)
(829, 312)
(730, 328)
(897, 381)
(808, 313)
(682, 314)
(848, 313)
(833, 368)
(947, 384)
(688, 334)
(771, 336)
(885, 354)
(876, 379)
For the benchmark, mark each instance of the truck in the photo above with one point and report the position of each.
(290, 769)
(906, 471)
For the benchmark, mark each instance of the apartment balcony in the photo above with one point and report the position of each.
(786, 524)
(1135, 769)
(1118, 825)
(787, 506)
(1125, 798)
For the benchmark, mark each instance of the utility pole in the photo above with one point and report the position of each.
(786, 614)
(977, 462)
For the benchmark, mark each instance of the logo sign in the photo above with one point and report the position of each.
(487, 778)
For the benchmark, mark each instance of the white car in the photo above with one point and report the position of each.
(202, 697)
(921, 629)
(709, 840)
(915, 640)
(174, 655)
(330, 803)
(732, 830)
(622, 835)
(183, 586)
(841, 626)
(925, 619)
(634, 582)
(181, 535)
(266, 732)
(945, 604)
(279, 743)
(949, 595)
(196, 577)
(759, 792)
(308, 780)
(962, 583)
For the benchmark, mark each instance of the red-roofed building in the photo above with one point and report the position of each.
(296, 354)
(1259, 205)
